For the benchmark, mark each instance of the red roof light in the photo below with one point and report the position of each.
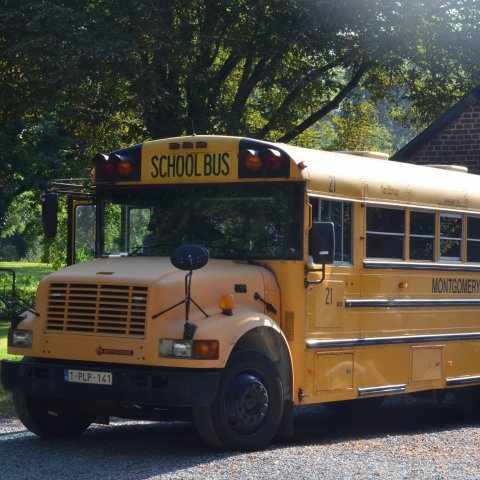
(273, 158)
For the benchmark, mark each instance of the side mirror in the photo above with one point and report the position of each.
(322, 242)
(189, 257)
(50, 214)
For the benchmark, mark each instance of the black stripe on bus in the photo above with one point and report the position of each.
(370, 341)
(421, 266)
(412, 303)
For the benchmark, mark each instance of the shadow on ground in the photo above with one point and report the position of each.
(145, 450)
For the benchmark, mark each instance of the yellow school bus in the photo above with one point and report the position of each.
(235, 279)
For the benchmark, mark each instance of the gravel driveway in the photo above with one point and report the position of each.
(396, 442)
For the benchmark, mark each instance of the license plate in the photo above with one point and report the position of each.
(87, 376)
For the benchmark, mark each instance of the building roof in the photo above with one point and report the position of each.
(439, 124)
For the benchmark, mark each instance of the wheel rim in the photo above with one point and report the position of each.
(247, 403)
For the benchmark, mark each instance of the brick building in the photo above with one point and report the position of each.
(452, 139)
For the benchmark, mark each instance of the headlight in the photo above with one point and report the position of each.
(196, 349)
(21, 338)
(175, 348)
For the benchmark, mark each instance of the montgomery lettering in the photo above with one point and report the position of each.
(455, 285)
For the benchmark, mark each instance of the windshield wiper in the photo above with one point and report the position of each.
(149, 248)
(135, 250)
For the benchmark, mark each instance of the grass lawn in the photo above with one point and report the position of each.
(22, 269)
(27, 275)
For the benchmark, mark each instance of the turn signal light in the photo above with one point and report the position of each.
(205, 349)
(196, 349)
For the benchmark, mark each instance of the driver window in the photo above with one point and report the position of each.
(340, 214)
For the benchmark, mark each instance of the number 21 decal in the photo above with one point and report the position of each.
(328, 296)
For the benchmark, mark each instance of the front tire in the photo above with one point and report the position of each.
(248, 408)
(51, 417)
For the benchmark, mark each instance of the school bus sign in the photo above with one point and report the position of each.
(191, 167)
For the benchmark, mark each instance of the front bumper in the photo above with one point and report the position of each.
(148, 386)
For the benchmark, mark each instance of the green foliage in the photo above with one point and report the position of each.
(113, 241)
(165, 64)
(25, 292)
(78, 77)
(55, 251)
(23, 220)
(32, 151)
(27, 277)
(357, 128)
(84, 233)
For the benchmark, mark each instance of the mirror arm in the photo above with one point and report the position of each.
(308, 282)
(187, 257)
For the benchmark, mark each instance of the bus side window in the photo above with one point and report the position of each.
(422, 235)
(473, 239)
(340, 214)
(385, 232)
(451, 237)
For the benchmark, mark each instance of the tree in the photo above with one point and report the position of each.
(177, 60)
(31, 153)
(357, 128)
(113, 71)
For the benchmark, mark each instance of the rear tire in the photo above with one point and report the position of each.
(247, 410)
(51, 417)
(468, 400)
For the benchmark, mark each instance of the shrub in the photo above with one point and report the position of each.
(11, 305)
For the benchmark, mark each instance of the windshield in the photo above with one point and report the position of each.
(232, 221)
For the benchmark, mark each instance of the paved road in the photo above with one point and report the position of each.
(396, 442)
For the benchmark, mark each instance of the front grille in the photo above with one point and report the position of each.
(91, 309)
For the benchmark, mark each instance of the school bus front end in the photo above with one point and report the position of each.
(96, 314)
(154, 328)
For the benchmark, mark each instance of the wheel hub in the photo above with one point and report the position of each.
(247, 403)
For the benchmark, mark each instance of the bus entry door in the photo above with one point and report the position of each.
(81, 230)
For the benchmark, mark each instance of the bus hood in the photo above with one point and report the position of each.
(148, 270)
(118, 270)
(166, 284)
